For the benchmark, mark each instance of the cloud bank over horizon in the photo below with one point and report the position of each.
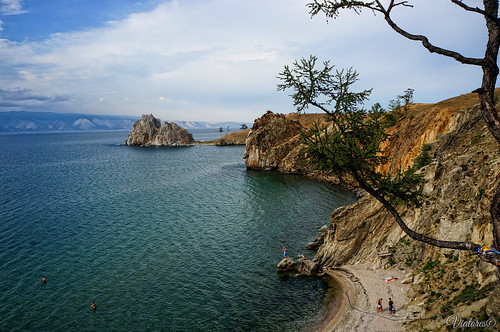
(216, 60)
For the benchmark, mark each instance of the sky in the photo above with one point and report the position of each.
(217, 60)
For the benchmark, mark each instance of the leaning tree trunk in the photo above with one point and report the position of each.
(487, 97)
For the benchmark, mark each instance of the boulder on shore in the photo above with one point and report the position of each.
(303, 266)
(149, 131)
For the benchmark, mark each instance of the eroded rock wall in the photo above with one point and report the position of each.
(273, 143)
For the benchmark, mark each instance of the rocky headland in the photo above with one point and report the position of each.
(149, 131)
(460, 181)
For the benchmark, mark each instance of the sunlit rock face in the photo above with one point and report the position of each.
(149, 131)
(273, 143)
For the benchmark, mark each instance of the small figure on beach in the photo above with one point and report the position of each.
(284, 252)
(391, 306)
(43, 280)
(379, 306)
(93, 305)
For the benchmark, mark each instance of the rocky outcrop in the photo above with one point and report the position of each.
(303, 266)
(149, 131)
(273, 143)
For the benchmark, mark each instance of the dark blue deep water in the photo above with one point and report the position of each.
(162, 239)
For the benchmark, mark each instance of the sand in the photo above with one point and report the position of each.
(362, 286)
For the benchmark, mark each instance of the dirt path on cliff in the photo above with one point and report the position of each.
(362, 287)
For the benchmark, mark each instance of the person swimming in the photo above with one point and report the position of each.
(93, 305)
(43, 280)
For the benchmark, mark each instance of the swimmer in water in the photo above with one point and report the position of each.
(93, 305)
(43, 280)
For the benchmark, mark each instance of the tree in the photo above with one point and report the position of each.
(488, 64)
(243, 127)
(351, 147)
(221, 130)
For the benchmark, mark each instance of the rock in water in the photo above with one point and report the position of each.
(149, 131)
(303, 266)
(286, 264)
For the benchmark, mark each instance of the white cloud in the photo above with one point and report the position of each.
(11, 7)
(218, 59)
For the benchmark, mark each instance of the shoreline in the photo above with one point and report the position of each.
(360, 288)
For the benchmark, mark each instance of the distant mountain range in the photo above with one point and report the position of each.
(20, 121)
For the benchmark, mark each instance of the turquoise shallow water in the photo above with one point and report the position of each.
(162, 239)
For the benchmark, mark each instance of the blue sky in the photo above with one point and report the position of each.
(216, 60)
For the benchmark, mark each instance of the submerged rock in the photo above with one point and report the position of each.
(149, 131)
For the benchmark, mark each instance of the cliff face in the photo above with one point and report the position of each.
(273, 143)
(149, 131)
(460, 182)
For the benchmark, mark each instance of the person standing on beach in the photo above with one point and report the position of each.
(379, 306)
(391, 306)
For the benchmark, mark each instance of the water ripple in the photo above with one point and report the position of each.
(162, 239)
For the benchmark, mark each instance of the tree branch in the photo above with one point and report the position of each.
(414, 235)
(476, 10)
(432, 48)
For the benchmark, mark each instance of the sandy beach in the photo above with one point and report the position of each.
(362, 286)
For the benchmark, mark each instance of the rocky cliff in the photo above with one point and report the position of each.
(273, 142)
(460, 181)
(149, 131)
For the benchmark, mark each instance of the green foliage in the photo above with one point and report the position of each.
(430, 265)
(480, 194)
(424, 158)
(404, 241)
(472, 293)
(477, 138)
(243, 127)
(321, 88)
(409, 261)
(351, 146)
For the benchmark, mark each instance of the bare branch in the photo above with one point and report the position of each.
(432, 48)
(476, 10)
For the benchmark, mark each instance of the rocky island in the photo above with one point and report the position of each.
(149, 131)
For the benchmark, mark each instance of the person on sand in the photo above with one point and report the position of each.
(93, 305)
(43, 280)
(379, 306)
(284, 252)
(391, 306)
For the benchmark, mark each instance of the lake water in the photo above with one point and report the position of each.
(162, 239)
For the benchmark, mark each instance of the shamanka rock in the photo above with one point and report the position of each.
(149, 131)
